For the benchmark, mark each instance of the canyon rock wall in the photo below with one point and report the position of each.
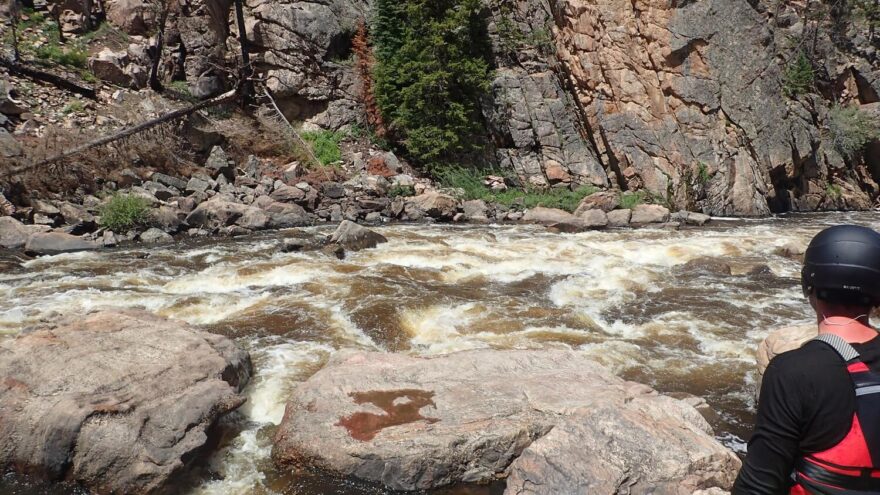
(684, 100)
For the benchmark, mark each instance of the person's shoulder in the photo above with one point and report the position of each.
(811, 357)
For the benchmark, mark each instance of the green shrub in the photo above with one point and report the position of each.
(798, 76)
(628, 200)
(433, 66)
(401, 191)
(851, 130)
(75, 106)
(124, 211)
(703, 173)
(470, 181)
(73, 56)
(325, 145)
(834, 191)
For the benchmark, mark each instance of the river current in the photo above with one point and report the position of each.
(656, 306)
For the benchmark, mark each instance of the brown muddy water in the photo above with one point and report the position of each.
(656, 306)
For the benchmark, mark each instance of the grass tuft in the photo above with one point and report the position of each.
(124, 211)
(325, 145)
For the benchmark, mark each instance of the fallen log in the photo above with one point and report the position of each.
(54, 79)
(168, 117)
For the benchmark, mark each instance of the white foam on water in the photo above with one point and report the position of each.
(278, 368)
(226, 278)
(438, 329)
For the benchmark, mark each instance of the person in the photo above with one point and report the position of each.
(818, 423)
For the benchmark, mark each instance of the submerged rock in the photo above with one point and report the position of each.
(353, 237)
(49, 243)
(420, 423)
(120, 402)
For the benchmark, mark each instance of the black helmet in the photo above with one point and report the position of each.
(842, 264)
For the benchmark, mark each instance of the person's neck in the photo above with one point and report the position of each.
(854, 329)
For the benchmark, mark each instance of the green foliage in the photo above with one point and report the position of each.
(432, 67)
(124, 211)
(834, 191)
(470, 182)
(629, 200)
(75, 106)
(868, 11)
(402, 191)
(851, 130)
(703, 173)
(325, 145)
(72, 56)
(798, 76)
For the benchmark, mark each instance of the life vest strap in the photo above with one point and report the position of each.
(865, 483)
(840, 345)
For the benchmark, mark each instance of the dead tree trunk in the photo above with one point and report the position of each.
(14, 18)
(246, 71)
(155, 84)
(87, 13)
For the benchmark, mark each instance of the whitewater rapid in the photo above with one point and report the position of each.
(651, 304)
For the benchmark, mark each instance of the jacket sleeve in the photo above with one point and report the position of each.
(774, 446)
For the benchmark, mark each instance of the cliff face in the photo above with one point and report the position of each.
(682, 99)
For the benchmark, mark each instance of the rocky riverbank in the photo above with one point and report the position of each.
(233, 199)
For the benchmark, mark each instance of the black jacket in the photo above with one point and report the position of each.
(806, 406)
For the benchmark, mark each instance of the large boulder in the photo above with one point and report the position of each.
(420, 423)
(433, 204)
(643, 214)
(353, 237)
(779, 341)
(48, 243)
(13, 234)
(120, 402)
(602, 200)
(548, 216)
(219, 212)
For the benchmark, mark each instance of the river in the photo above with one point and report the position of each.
(651, 304)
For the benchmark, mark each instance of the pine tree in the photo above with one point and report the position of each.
(432, 68)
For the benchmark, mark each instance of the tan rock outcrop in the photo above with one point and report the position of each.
(120, 402)
(554, 421)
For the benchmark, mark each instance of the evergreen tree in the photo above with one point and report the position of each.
(432, 67)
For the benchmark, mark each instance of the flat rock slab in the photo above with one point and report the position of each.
(117, 401)
(420, 423)
(779, 341)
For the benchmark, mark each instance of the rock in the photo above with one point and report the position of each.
(333, 190)
(76, 215)
(165, 218)
(9, 146)
(155, 236)
(593, 219)
(779, 341)
(245, 181)
(421, 423)
(619, 218)
(109, 239)
(286, 215)
(110, 66)
(119, 402)
(235, 231)
(287, 194)
(50, 243)
(13, 234)
(186, 205)
(377, 165)
(691, 218)
(556, 173)
(602, 200)
(293, 171)
(353, 237)
(433, 204)
(644, 214)
(218, 212)
(218, 163)
(161, 192)
(549, 216)
(713, 266)
(196, 185)
(403, 180)
(476, 211)
(167, 180)
(791, 250)
(45, 208)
